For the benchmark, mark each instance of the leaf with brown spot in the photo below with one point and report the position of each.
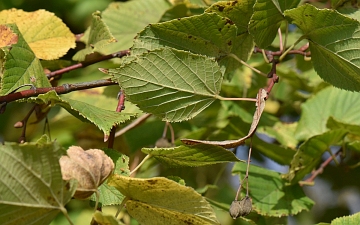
(7, 36)
(260, 105)
(48, 37)
(163, 201)
(90, 168)
(31, 188)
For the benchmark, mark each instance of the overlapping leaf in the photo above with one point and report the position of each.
(240, 13)
(172, 84)
(271, 196)
(109, 195)
(347, 220)
(126, 19)
(197, 155)
(97, 36)
(334, 44)
(265, 22)
(163, 201)
(21, 66)
(102, 118)
(206, 34)
(48, 37)
(283, 133)
(309, 154)
(32, 189)
(267, 19)
(339, 104)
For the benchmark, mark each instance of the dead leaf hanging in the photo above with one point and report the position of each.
(90, 168)
(260, 105)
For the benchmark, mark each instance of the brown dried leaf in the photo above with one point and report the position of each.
(260, 105)
(7, 36)
(90, 168)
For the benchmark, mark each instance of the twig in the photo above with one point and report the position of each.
(24, 122)
(315, 173)
(247, 65)
(132, 125)
(63, 89)
(140, 164)
(273, 77)
(88, 63)
(236, 99)
(300, 51)
(119, 108)
(246, 176)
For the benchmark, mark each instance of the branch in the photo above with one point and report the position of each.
(63, 89)
(320, 170)
(300, 51)
(119, 54)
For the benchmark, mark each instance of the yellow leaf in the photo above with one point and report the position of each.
(48, 37)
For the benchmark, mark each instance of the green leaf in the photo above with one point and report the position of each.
(240, 13)
(32, 189)
(98, 36)
(109, 195)
(102, 118)
(197, 155)
(265, 22)
(21, 66)
(271, 196)
(48, 37)
(334, 44)
(163, 201)
(347, 220)
(102, 219)
(334, 124)
(309, 154)
(126, 19)
(174, 85)
(282, 132)
(339, 104)
(354, 146)
(206, 34)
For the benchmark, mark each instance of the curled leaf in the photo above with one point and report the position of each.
(90, 168)
(260, 105)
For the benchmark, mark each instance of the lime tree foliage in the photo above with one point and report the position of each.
(173, 88)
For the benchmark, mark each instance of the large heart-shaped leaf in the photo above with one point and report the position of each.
(32, 189)
(172, 84)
